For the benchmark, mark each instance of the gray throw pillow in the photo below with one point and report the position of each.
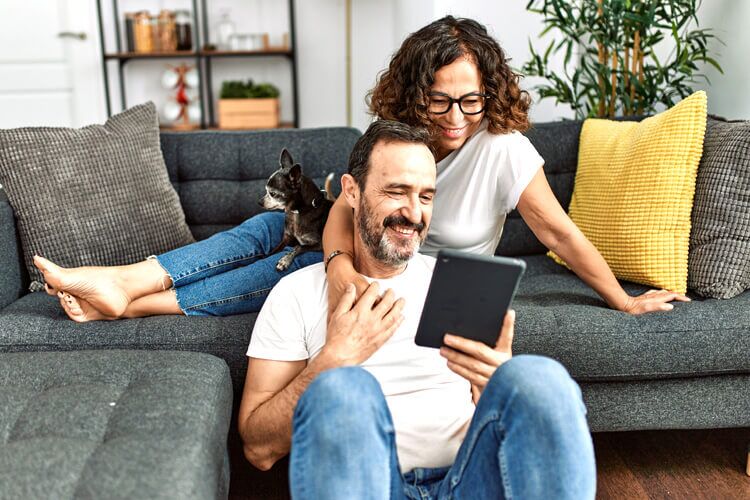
(719, 259)
(98, 195)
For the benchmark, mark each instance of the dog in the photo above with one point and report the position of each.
(306, 208)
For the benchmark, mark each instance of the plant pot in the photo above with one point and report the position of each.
(249, 113)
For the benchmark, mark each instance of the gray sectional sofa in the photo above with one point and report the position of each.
(688, 368)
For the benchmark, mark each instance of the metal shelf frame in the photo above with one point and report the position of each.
(203, 59)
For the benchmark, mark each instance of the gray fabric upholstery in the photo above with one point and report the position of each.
(11, 270)
(719, 260)
(99, 195)
(712, 402)
(560, 316)
(113, 424)
(220, 176)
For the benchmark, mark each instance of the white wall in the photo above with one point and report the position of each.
(378, 28)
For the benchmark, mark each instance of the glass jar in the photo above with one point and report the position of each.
(224, 31)
(166, 32)
(183, 27)
(143, 34)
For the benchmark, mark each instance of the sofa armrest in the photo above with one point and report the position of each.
(12, 272)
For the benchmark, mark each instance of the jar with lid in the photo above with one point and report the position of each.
(166, 32)
(224, 31)
(184, 30)
(143, 34)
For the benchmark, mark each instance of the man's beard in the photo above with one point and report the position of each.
(380, 246)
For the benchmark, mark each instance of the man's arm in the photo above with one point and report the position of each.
(272, 389)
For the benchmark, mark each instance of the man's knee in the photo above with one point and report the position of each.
(349, 390)
(536, 382)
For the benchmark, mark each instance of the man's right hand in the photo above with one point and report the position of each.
(358, 328)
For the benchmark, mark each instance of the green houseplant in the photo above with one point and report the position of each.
(610, 63)
(246, 105)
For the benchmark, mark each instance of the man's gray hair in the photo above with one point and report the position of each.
(382, 130)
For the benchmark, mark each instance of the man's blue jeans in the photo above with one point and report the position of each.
(231, 272)
(528, 439)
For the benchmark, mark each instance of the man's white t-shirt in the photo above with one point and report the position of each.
(431, 406)
(477, 186)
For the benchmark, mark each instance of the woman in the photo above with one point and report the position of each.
(451, 77)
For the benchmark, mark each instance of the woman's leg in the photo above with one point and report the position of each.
(241, 290)
(153, 304)
(110, 290)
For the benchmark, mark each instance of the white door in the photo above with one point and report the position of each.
(50, 67)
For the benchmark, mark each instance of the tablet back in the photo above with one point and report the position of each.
(468, 296)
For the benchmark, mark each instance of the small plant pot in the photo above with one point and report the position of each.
(249, 113)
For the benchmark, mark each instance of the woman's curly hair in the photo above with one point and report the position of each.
(401, 92)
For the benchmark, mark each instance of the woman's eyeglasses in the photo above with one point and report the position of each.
(472, 103)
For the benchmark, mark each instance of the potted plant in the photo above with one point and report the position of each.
(246, 105)
(610, 65)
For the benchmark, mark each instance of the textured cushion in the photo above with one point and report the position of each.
(36, 322)
(634, 192)
(558, 315)
(96, 195)
(719, 264)
(113, 424)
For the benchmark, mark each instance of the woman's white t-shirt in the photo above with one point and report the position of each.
(477, 186)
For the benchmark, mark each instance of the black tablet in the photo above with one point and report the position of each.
(468, 296)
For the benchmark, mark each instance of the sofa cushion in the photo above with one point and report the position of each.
(36, 322)
(116, 424)
(719, 263)
(634, 192)
(98, 195)
(562, 317)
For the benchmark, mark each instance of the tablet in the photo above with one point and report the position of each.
(468, 296)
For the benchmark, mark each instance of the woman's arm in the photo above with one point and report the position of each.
(549, 222)
(338, 234)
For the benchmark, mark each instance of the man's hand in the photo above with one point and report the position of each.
(358, 328)
(653, 301)
(475, 361)
(339, 275)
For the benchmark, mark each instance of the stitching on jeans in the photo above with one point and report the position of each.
(489, 419)
(228, 300)
(211, 266)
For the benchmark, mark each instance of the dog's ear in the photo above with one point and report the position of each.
(285, 160)
(295, 173)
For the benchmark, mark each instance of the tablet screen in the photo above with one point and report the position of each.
(468, 296)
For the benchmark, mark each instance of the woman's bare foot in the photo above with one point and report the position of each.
(80, 310)
(98, 287)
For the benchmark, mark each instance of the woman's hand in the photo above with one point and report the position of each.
(475, 361)
(339, 274)
(652, 301)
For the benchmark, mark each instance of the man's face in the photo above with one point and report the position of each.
(395, 207)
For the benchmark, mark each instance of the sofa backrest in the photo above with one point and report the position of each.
(557, 143)
(220, 176)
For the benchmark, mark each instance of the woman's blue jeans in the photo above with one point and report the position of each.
(528, 439)
(231, 272)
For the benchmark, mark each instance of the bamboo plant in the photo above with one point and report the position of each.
(610, 65)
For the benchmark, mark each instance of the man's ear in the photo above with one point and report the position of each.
(285, 160)
(295, 173)
(350, 190)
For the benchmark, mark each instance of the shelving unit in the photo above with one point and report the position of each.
(203, 60)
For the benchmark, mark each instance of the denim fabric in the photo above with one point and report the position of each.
(528, 439)
(231, 272)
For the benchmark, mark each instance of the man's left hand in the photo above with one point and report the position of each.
(475, 361)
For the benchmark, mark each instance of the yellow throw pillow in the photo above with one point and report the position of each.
(634, 192)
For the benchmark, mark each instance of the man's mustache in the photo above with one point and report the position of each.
(400, 220)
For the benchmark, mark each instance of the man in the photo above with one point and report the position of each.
(365, 412)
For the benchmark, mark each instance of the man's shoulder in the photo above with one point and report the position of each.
(302, 282)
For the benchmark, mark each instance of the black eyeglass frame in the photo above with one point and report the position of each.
(452, 101)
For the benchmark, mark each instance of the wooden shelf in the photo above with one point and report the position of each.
(200, 53)
(169, 128)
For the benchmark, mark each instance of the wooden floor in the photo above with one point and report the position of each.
(705, 464)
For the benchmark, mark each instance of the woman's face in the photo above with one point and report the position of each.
(456, 79)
